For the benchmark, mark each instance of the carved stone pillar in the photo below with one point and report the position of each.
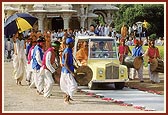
(82, 16)
(82, 10)
(66, 18)
(40, 21)
(82, 21)
(26, 8)
(45, 24)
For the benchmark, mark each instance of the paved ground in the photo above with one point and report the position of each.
(23, 99)
(126, 96)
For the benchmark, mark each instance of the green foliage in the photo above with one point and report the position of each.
(101, 21)
(132, 13)
(153, 36)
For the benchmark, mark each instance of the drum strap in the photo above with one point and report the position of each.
(137, 50)
(75, 61)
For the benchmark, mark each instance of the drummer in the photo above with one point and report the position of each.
(137, 51)
(152, 52)
(67, 82)
(123, 51)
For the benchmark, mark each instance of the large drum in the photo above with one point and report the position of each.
(83, 75)
(133, 62)
(157, 65)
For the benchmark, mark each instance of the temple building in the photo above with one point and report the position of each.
(62, 16)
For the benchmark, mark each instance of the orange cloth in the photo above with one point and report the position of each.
(39, 34)
(82, 55)
(33, 36)
(47, 41)
(124, 31)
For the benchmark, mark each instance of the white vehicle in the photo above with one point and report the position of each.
(104, 61)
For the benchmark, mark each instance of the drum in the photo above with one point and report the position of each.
(57, 75)
(157, 65)
(133, 62)
(83, 75)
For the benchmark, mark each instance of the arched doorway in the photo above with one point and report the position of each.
(57, 23)
(74, 23)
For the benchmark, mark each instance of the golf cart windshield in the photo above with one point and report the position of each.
(102, 48)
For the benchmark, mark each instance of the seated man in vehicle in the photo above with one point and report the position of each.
(82, 53)
(101, 52)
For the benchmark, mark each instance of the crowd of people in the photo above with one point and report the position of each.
(37, 56)
(37, 60)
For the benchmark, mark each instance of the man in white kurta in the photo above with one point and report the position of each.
(19, 59)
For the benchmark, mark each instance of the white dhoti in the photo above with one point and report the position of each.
(19, 61)
(68, 84)
(19, 65)
(49, 81)
(140, 73)
(35, 77)
(29, 72)
(153, 75)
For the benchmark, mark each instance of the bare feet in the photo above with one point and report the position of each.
(20, 83)
(66, 99)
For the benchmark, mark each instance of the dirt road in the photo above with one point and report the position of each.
(23, 99)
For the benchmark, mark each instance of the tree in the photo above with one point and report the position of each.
(154, 14)
(132, 13)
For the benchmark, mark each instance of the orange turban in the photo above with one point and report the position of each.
(137, 41)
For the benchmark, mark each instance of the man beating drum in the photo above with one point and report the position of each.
(123, 51)
(67, 82)
(153, 53)
(136, 52)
